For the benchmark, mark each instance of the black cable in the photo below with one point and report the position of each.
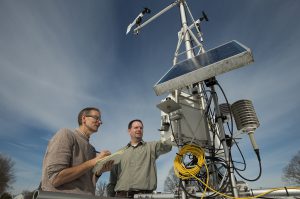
(231, 132)
(257, 152)
(206, 175)
(244, 161)
(259, 174)
(215, 160)
(185, 191)
(221, 175)
(219, 172)
(230, 147)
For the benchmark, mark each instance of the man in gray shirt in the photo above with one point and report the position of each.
(69, 159)
(136, 172)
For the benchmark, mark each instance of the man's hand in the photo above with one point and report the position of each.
(100, 156)
(72, 173)
(103, 154)
(107, 166)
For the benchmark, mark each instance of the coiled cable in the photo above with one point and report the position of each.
(183, 172)
(180, 169)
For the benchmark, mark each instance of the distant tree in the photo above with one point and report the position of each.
(101, 189)
(7, 176)
(5, 195)
(172, 182)
(291, 173)
(27, 194)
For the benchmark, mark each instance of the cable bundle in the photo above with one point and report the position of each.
(181, 169)
(185, 173)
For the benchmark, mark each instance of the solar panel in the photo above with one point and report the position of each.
(214, 62)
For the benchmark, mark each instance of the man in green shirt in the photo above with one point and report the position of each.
(136, 172)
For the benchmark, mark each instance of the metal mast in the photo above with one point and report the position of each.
(198, 102)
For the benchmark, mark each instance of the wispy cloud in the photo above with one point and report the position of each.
(59, 56)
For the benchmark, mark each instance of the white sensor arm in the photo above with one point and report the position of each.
(253, 141)
(137, 29)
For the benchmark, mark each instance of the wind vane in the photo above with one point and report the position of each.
(137, 21)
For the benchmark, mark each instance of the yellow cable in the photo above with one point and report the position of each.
(186, 173)
(179, 168)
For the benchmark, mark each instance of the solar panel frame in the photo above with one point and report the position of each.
(216, 61)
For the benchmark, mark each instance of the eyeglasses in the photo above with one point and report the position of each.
(95, 117)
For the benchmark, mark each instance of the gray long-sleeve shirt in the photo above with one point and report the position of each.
(67, 149)
(137, 168)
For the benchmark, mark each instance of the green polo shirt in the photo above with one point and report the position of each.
(137, 168)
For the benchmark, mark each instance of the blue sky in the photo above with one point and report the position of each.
(59, 56)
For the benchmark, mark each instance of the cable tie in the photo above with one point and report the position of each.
(218, 117)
